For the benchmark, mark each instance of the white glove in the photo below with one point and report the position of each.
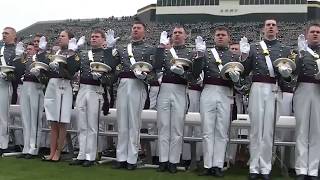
(96, 75)
(43, 43)
(111, 41)
(3, 75)
(54, 66)
(200, 44)
(164, 38)
(19, 49)
(302, 43)
(244, 45)
(234, 75)
(72, 44)
(81, 41)
(140, 74)
(177, 69)
(35, 71)
(285, 70)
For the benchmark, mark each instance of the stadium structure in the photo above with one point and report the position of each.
(243, 17)
(230, 10)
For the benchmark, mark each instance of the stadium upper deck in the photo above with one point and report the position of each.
(231, 10)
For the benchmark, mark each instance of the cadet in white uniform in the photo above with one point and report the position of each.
(89, 99)
(306, 105)
(131, 96)
(8, 52)
(31, 101)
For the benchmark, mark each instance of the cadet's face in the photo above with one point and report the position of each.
(96, 40)
(36, 41)
(270, 29)
(8, 36)
(31, 50)
(313, 35)
(63, 39)
(221, 38)
(137, 32)
(179, 36)
(235, 48)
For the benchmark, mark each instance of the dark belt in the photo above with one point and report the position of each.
(264, 79)
(129, 74)
(174, 80)
(287, 89)
(154, 83)
(195, 87)
(58, 77)
(90, 82)
(30, 79)
(308, 79)
(217, 81)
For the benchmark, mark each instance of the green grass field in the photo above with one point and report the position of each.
(35, 169)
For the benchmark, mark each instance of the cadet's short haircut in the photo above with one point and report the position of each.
(181, 26)
(37, 35)
(11, 28)
(317, 24)
(99, 31)
(221, 28)
(268, 19)
(69, 33)
(139, 22)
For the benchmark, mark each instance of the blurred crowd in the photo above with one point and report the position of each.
(289, 31)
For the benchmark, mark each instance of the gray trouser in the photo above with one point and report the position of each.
(261, 113)
(131, 97)
(172, 104)
(307, 113)
(5, 99)
(215, 116)
(89, 102)
(31, 101)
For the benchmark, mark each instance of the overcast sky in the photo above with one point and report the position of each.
(22, 13)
